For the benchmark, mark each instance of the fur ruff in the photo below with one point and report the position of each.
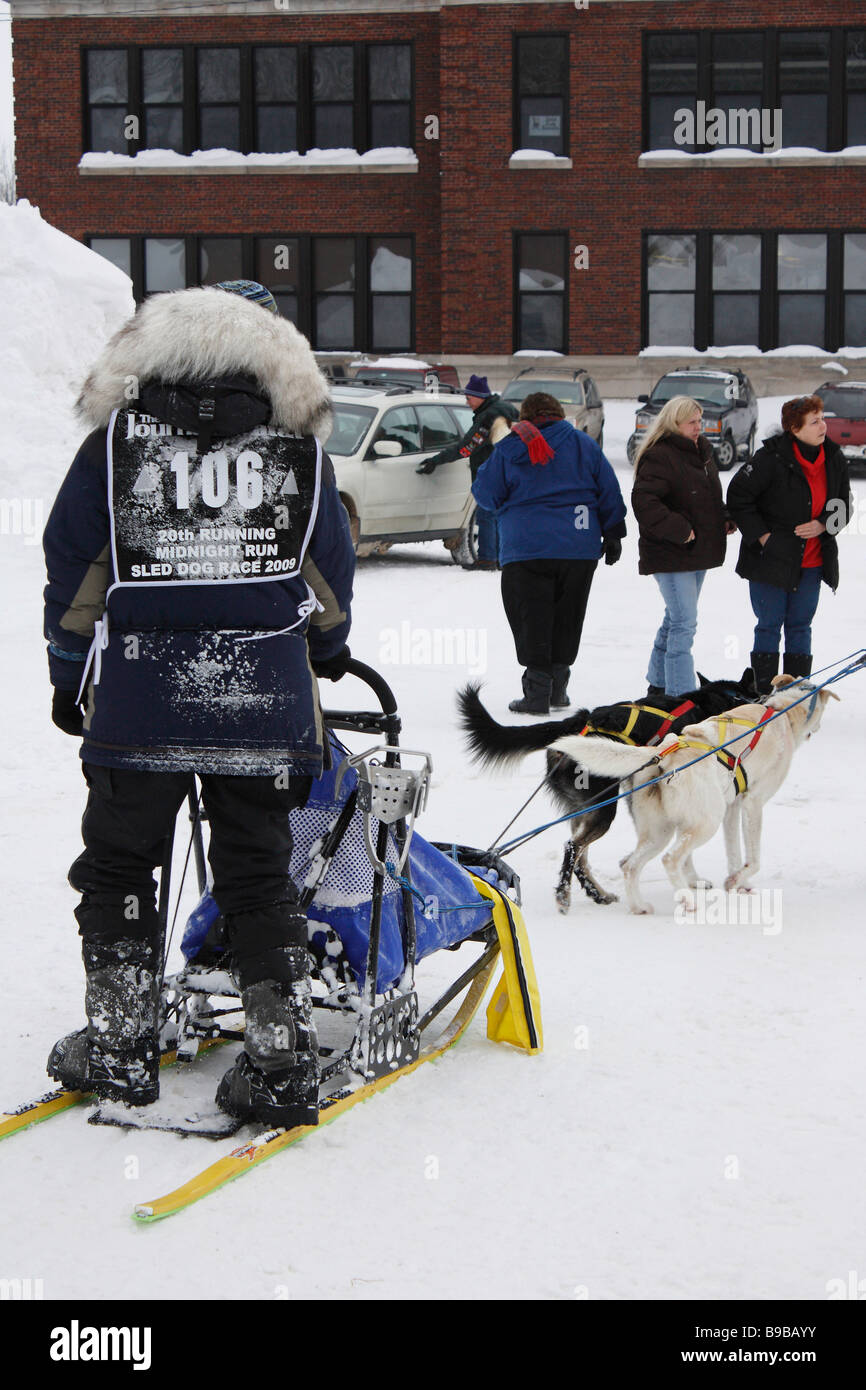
(198, 334)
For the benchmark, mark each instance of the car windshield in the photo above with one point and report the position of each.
(708, 390)
(566, 392)
(351, 423)
(848, 403)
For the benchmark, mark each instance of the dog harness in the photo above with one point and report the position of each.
(732, 762)
(624, 735)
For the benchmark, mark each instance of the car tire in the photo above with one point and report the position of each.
(465, 551)
(750, 442)
(631, 448)
(600, 440)
(726, 454)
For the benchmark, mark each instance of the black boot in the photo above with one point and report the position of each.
(559, 689)
(536, 693)
(654, 690)
(765, 666)
(797, 664)
(276, 1078)
(116, 1057)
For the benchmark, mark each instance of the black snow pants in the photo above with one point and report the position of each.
(126, 822)
(545, 604)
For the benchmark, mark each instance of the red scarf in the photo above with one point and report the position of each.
(816, 476)
(536, 445)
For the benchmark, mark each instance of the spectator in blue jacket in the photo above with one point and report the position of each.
(559, 508)
(200, 571)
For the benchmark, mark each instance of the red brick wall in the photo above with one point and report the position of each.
(464, 203)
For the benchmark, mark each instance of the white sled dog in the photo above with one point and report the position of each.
(715, 791)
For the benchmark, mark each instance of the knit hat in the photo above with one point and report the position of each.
(477, 386)
(250, 289)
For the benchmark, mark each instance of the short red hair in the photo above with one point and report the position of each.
(795, 412)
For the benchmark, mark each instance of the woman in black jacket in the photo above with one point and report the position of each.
(677, 499)
(790, 502)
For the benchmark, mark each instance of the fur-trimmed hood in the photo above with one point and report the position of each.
(198, 334)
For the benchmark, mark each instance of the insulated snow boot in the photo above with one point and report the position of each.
(654, 690)
(765, 666)
(536, 693)
(276, 1078)
(797, 664)
(559, 689)
(116, 1057)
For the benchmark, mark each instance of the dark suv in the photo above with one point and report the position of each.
(728, 402)
(577, 394)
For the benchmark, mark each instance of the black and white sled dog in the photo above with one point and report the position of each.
(723, 789)
(642, 723)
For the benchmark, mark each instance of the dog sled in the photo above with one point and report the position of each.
(402, 931)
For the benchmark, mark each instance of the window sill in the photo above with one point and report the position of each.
(537, 159)
(161, 162)
(794, 157)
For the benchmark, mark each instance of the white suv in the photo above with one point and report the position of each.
(380, 438)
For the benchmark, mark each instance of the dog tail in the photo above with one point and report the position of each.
(495, 744)
(602, 757)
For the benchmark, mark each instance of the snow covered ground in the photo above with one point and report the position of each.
(694, 1127)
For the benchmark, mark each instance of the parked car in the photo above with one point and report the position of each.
(729, 404)
(380, 437)
(577, 394)
(845, 413)
(400, 371)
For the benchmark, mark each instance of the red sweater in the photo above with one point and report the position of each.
(816, 476)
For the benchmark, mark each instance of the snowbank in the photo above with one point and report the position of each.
(61, 302)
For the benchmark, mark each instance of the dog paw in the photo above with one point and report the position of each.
(644, 910)
(704, 883)
(563, 904)
(604, 898)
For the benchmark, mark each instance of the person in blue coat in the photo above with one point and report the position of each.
(200, 570)
(559, 508)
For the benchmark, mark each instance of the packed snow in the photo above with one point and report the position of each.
(694, 1127)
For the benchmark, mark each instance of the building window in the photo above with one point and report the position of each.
(736, 289)
(541, 92)
(802, 282)
(249, 98)
(389, 92)
(107, 100)
(854, 319)
(670, 279)
(816, 78)
(768, 289)
(540, 293)
(341, 292)
(162, 98)
(672, 86)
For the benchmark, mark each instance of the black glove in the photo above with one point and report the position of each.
(66, 712)
(427, 467)
(611, 549)
(332, 668)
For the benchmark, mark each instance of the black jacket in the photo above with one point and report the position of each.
(677, 490)
(771, 493)
(476, 444)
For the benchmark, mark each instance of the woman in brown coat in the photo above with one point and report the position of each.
(677, 499)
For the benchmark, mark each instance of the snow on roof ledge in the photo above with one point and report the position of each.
(749, 350)
(386, 160)
(538, 159)
(733, 158)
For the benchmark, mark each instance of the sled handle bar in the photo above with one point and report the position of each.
(387, 721)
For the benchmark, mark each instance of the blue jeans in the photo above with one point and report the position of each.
(775, 608)
(671, 663)
(488, 535)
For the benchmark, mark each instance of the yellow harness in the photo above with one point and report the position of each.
(732, 762)
(624, 735)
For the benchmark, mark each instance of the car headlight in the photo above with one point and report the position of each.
(642, 421)
(712, 427)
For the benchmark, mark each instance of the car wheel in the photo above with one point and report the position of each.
(750, 442)
(631, 447)
(726, 454)
(465, 551)
(600, 440)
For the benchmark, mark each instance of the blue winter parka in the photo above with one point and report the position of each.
(560, 510)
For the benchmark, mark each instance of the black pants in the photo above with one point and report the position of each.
(126, 821)
(545, 604)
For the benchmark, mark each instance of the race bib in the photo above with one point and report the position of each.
(241, 513)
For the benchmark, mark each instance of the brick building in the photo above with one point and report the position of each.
(622, 222)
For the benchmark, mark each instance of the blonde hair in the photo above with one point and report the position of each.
(668, 421)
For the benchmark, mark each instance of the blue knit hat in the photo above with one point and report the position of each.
(250, 289)
(477, 386)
